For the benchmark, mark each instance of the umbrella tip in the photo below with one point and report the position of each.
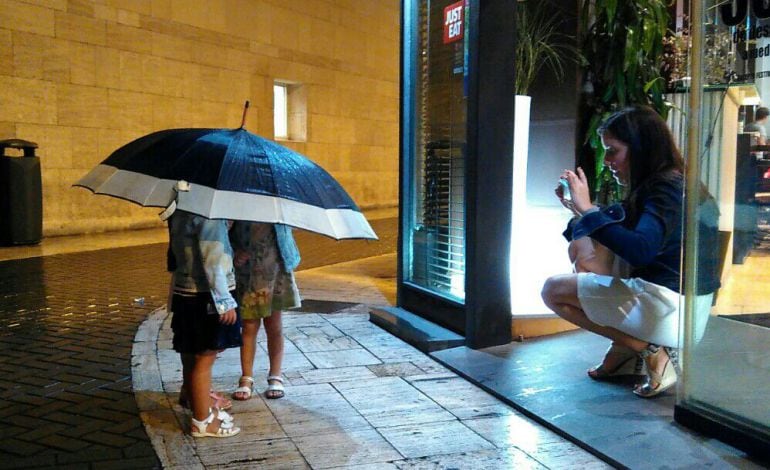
(245, 110)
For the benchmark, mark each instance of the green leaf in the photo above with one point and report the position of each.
(630, 48)
(621, 84)
(612, 10)
(652, 82)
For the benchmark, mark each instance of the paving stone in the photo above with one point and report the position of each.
(268, 454)
(115, 440)
(395, 369)
(316, 414)
(38, 461)
(350, 357)
(19, 447)
(338, 374)
(58, 441)
(402, 404)
(8, 430)
(312, 389)
(461, 398)
(484, 459)
(298, 321)
(372, 466)
(126, 463)
(512, 430)
(86, 428)
(349, 448)
(538, 442)
(92, 453)
(428, 439)
(565, 454)
(325, 343)
(172, 446)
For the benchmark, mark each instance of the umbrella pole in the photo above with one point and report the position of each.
(245, 110)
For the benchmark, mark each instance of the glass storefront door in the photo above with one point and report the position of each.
(726, 355)
(434, 146)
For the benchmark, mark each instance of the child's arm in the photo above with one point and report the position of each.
(217, 263)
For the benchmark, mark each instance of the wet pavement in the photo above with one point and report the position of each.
(67, 326)
(87, 373)
(356, 398)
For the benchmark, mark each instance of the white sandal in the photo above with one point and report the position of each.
(275, 390)
(226, 429)
(245, 390)
(222, 415)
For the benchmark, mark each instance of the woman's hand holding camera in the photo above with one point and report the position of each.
(573, 191)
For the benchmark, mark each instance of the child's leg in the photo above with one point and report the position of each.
(188, 361)
(249, 330)
(200, 384)
(274, 330)
(200, 389)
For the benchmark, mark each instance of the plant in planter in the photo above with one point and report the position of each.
(539, 43)
(541, 46)
(622, 43)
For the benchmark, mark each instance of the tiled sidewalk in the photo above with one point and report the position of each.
(357, 397)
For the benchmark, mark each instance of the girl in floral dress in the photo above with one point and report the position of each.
(265, 258)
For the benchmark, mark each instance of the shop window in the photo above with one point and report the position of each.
(436, 227)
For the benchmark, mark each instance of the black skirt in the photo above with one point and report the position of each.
(196, 325)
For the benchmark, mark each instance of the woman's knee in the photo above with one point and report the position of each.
(558, 287)
(550, 288)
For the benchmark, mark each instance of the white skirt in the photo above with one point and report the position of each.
(634, 306)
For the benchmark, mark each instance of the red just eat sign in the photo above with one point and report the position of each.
(453, 22)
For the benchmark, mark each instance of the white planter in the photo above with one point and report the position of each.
(537, 248)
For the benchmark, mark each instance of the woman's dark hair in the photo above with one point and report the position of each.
(652, 151)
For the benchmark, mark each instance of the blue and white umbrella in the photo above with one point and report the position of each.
(229, 174)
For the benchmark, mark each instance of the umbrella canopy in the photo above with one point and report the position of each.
(229, 174)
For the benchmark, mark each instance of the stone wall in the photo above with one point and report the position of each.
(83, 77)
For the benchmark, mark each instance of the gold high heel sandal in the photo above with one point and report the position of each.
(628, 363)
(664, 380)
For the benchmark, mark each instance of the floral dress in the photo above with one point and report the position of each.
(263, 284)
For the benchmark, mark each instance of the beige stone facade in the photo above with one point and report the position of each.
(83, 77)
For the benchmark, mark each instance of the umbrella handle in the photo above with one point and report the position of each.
(168, 211)
(245, 110)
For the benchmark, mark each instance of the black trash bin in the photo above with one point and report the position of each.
(21, 194)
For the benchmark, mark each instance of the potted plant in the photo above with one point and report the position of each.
(539, 43)
(540, 46)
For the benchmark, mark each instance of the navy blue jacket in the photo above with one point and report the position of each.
(652, 242)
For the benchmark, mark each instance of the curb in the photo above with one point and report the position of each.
(160, 421)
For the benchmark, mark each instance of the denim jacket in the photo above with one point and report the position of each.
(203, 258)
(651, 244)
(287, 247)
